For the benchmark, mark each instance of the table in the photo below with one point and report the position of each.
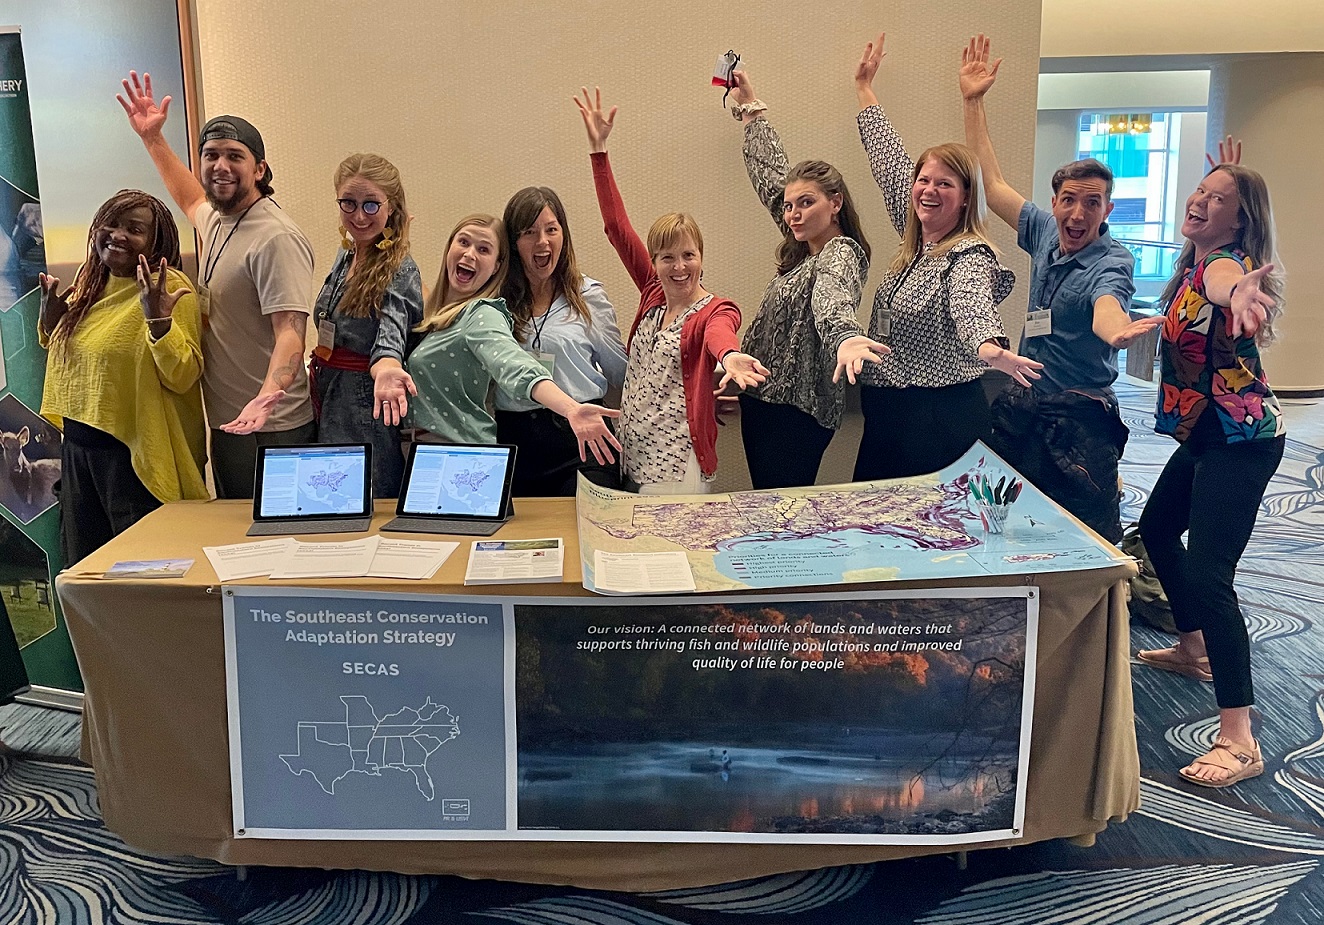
(154, 717)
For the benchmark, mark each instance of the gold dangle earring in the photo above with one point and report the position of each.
(388, 239)
(345, 240)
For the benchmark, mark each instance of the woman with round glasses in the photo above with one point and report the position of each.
(371, 299)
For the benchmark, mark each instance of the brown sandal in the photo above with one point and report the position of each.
(1171, 659)
(1240, 763)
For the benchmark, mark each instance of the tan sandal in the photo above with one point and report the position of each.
(1171, 659)
(1239, 761)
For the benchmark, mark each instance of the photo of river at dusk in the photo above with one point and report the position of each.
(866, 714)
(687, 787)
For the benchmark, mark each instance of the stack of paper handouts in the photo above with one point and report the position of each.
(373, 557)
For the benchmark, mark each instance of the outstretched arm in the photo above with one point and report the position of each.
(888, 161)
(616, 223)
(147, 119)
(765, 159)
(977, 76)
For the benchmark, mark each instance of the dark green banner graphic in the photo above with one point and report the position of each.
(29, 518)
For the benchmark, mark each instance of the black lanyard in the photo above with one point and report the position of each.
(902, 278)
(338, 285)
(536, 344)
(214, 256)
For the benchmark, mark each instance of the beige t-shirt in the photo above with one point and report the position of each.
(265, 266)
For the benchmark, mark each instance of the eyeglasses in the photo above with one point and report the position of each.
(369, 206)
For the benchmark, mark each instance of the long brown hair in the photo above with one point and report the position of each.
(92, 276)
(1257, 238)
(521, 214)
(441, 310)
(791, 252)
(961, 161)
(374, 272)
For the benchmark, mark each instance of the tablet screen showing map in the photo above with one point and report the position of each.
(314, 481)
(458, 480)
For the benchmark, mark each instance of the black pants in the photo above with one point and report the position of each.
(234, 456)
(100, 494)
(783, 445)
(547, 460)
(1214, 491)
(915, 431)
(1068, 445)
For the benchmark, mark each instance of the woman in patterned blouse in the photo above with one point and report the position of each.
(467, 344)
(923, 403)
(805, 328)
(1215, 400)
(681, 331)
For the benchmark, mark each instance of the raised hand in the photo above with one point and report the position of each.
(742, 371)
(854, 352)
(156, 302)
(1133, 331)
(977, 74)
(1250, 303)
(54, 304)
(596, 124)
(145, 116)
(589, 422)
(873, 56)
(1229, 152)
(255, 414)
(391, 388)
(741, 88)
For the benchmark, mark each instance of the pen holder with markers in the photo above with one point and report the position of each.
(994, 499)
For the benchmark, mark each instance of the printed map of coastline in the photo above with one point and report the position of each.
(926, 527)
(365, 743)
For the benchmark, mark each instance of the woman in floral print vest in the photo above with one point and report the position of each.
(1214, 399)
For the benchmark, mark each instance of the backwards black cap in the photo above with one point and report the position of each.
(233, 128)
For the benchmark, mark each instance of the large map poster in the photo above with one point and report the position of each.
(863, 717)
(927, 527)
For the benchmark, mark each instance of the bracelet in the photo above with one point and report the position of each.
(740, 110)
(1231, 292)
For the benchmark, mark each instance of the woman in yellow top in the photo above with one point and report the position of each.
(122, 375)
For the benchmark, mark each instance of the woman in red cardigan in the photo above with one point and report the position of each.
(668, 424)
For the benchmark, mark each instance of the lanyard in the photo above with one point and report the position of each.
(338, 285)
(213, 255)
(900, 280)
(536, 344)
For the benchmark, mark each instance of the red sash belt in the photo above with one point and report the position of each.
(340, 358)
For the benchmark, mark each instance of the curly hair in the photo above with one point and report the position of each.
(376, 269)
(92, 276)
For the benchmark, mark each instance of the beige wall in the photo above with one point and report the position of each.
(1180, 27)
(1273, 103)
(475, 105)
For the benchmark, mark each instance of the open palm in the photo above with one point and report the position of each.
(977, 72)
(145, 116)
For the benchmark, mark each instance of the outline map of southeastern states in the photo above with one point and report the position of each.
(927, 515)
(403, 740)
(330, 479)
(471, 479)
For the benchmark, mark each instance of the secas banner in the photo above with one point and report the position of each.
(865, 717)
(29, 444)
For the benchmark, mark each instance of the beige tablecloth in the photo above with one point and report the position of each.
(152, 657)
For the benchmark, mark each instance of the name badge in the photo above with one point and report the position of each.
(326, 339)
(1038, 322)
(547, 360)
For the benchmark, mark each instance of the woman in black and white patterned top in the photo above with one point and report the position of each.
(936, 307)
(805, 330)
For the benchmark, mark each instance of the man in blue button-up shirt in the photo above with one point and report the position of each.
(1065, 433)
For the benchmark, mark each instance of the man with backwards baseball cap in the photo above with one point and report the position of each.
(255, 275)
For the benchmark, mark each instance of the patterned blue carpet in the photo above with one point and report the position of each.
(1248, 855)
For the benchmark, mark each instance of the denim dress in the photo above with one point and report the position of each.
(343, 398)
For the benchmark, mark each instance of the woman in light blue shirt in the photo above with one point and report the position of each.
(564, 321)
